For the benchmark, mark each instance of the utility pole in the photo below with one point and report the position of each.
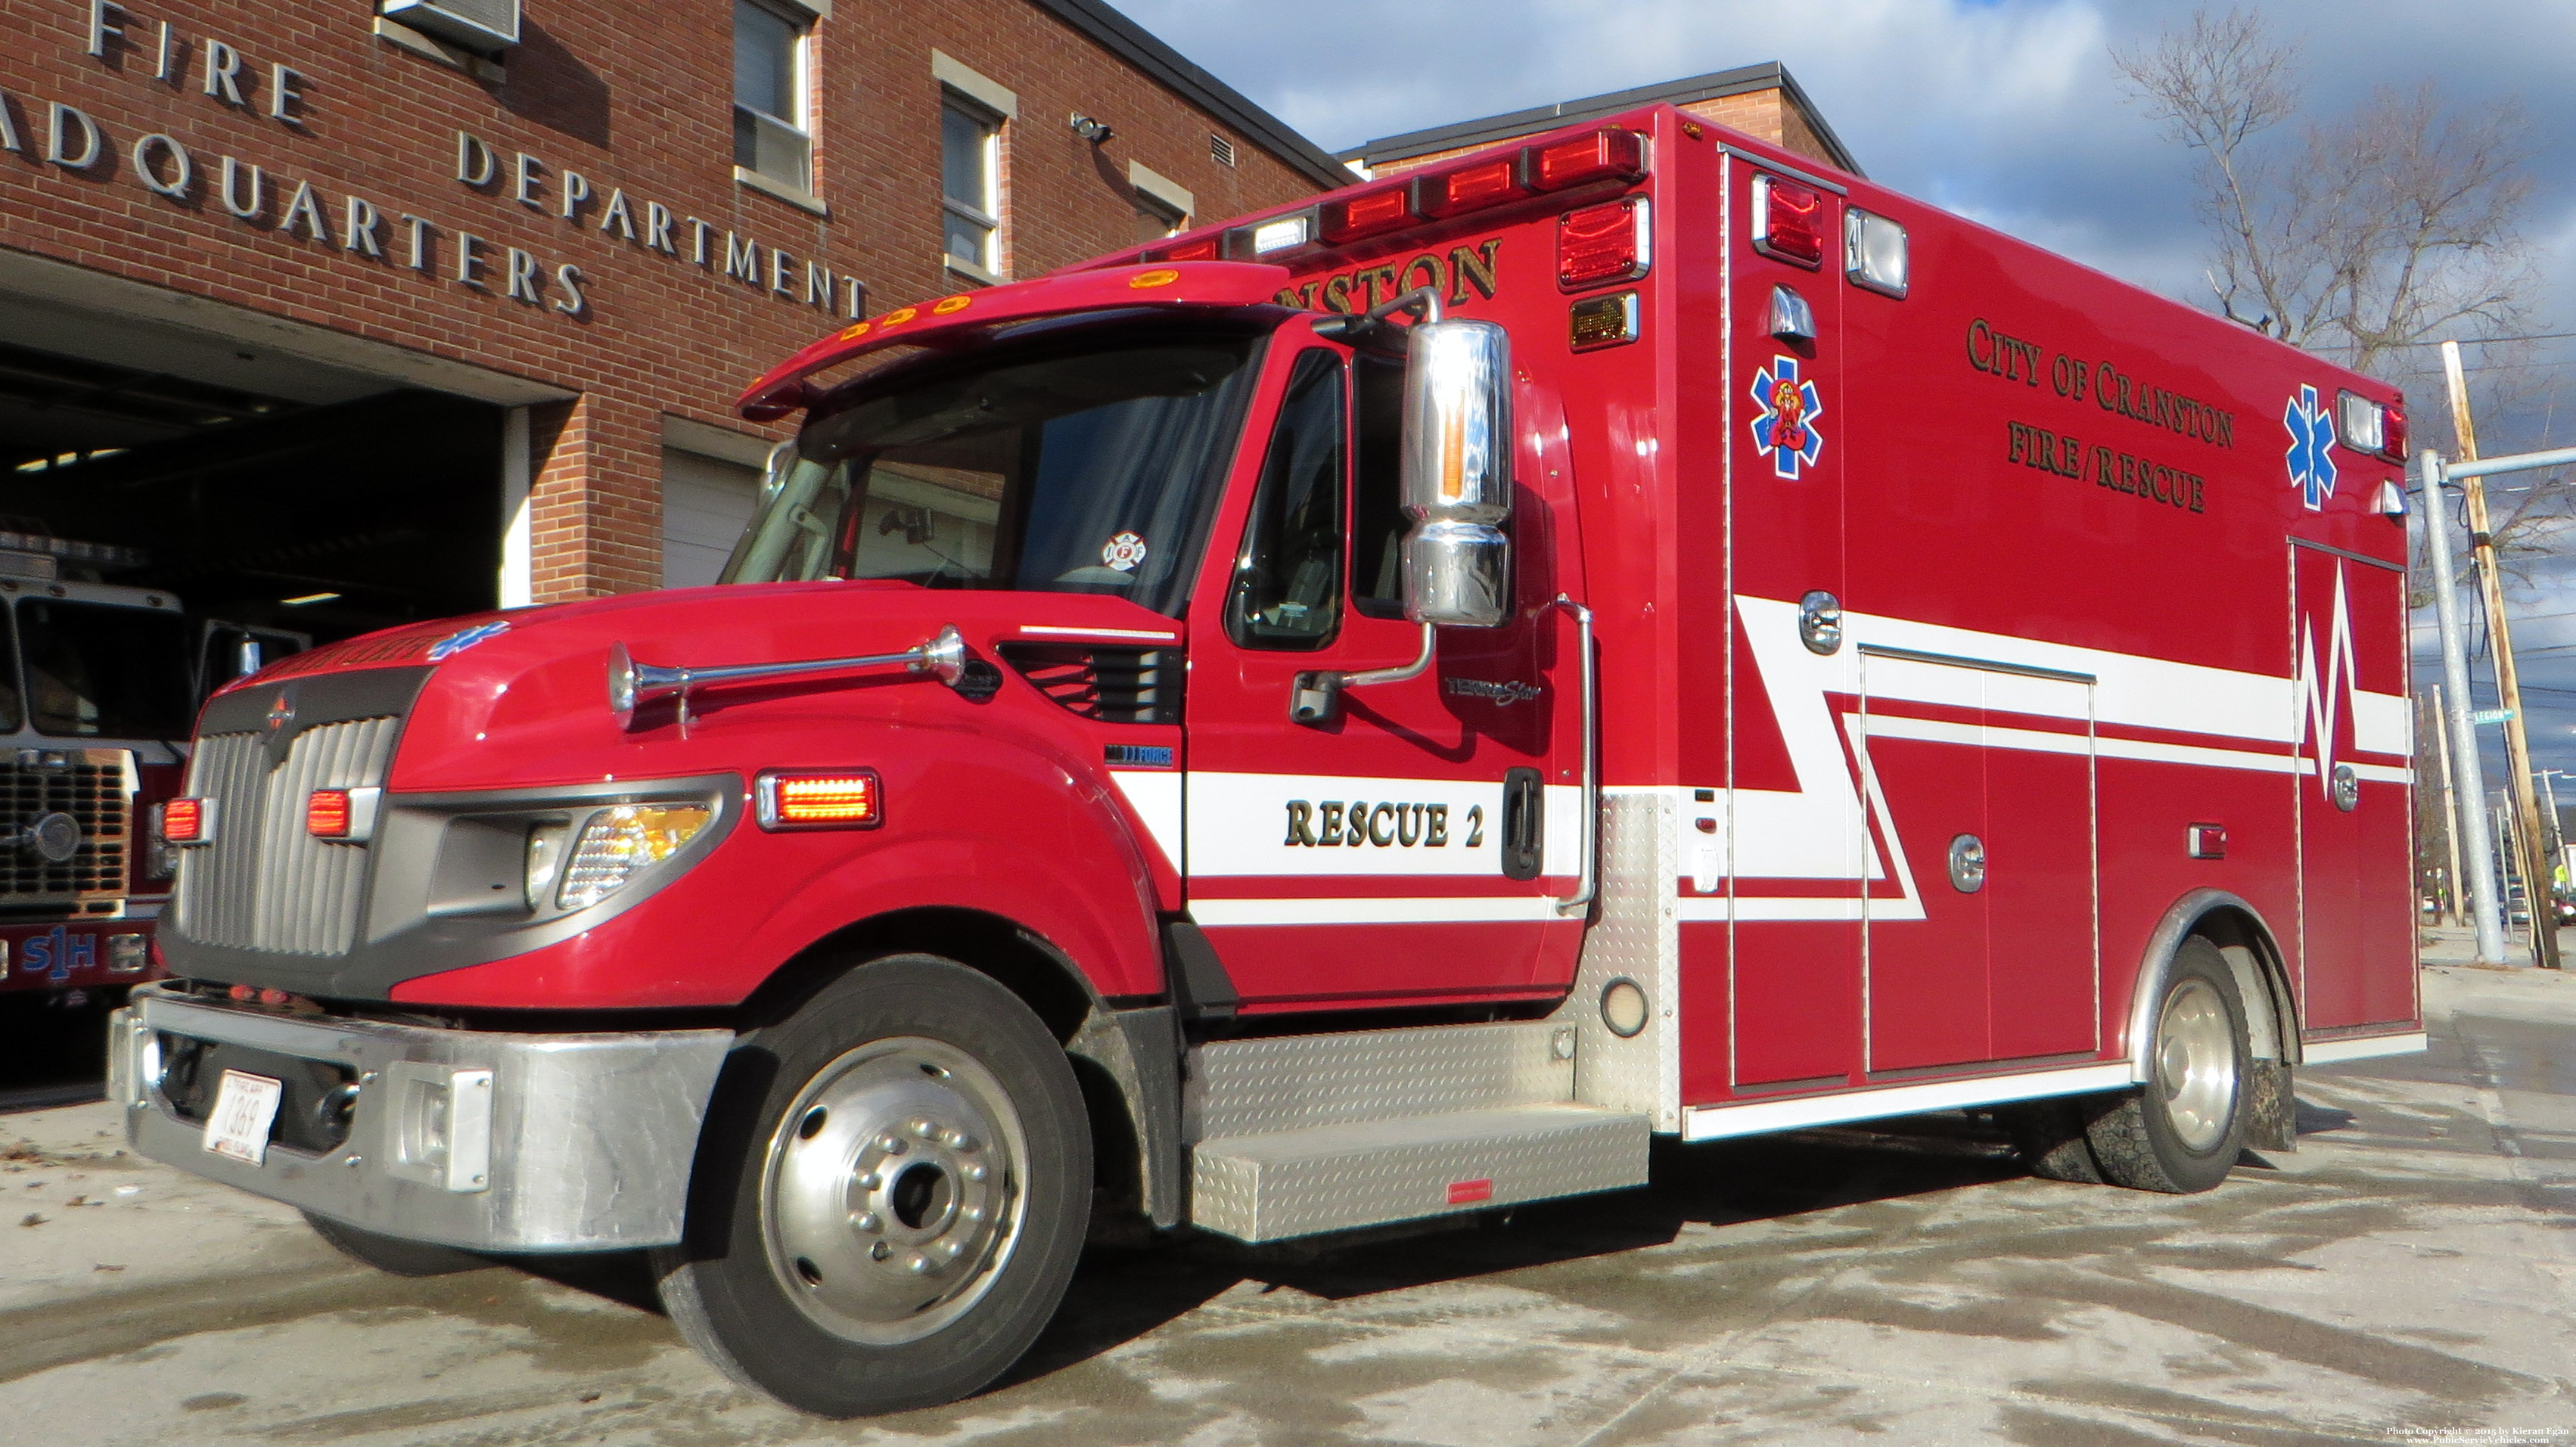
(2483, 901)
(2450, 813)
(2517, 743)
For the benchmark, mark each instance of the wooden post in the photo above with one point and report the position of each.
(2536, 872)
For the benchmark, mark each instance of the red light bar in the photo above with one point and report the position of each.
(1788, 221)
(1201, 250)
(2392, 432)
(1602, 244)
(1366, 214)
(327, 814)
(843, 799)
(1487, 183)
(1605, 155)
(183, 821)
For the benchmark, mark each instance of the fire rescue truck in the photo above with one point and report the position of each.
(98, 682)
(1362, 714)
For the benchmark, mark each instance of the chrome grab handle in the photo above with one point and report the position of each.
(632, 685)
(1588, 878)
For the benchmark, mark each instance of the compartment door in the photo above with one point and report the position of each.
(2353, 726)
(1980, 784)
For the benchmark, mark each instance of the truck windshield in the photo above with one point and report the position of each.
(99, 671)
(1067, 468)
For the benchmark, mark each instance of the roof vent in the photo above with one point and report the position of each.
(484, 26)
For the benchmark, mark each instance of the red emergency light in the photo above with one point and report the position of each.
(1608, 154)
(2392, 429)
(328, 814)
(1366, 214)
(1788, 221)
(1487, 183)
(183, 821)
(1599, 244)
(1204, 249)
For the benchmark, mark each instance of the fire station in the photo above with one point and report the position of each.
(340, 319)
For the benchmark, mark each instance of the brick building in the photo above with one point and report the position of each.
(1759, 100)
(348, 317)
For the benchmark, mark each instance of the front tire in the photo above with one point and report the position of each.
(2182, 1131)
(890, 1194)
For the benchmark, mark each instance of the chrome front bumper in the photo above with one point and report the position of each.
(584, 1142)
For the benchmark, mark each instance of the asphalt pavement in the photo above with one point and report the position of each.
(2404, 1276)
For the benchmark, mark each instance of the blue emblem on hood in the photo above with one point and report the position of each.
(456, 643)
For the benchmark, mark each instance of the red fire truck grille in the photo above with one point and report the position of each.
(1113, 685)
(265, 883)
(96, 788)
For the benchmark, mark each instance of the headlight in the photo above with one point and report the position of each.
(615, 843)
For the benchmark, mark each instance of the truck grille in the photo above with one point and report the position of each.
(94, 787)
(264, 883)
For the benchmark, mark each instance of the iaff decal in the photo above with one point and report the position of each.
(56, 954)
(2312, 469)
(1786, 429)
(1465, 268)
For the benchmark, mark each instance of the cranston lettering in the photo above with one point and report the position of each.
(2009, 358)
(1383, 824)
(1464, 269)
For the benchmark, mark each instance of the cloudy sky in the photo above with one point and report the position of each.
(2008, 111)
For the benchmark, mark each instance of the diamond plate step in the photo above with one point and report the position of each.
(1278, 1184)
(1291, 1082)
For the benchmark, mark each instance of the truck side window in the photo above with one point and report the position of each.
(1288, 583)
(1377, 521)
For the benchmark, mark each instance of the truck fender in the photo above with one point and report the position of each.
(2262, 982)
(1140, 1051)
(1091, 913)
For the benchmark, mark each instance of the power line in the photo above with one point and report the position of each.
(2482, 341)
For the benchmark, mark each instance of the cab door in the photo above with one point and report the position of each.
(1409, 849)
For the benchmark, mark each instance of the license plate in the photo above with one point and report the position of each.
(245, 1107)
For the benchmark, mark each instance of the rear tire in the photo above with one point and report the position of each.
(890, 1194)
(2182, 1131)
(2049, 1135)
(392, 1254)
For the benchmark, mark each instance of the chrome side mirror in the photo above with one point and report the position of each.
(1457, 476)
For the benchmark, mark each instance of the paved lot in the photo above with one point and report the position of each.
(2406, 1276)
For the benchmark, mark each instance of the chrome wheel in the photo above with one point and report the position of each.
(892, 1192)
(2196, 1064)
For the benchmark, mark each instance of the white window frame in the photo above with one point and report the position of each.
(991, 267)
(800, 19)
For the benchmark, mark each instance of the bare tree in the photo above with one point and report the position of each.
(2358, 237)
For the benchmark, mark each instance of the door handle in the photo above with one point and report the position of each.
(1524, 828)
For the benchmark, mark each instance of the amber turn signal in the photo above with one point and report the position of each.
(843, 799)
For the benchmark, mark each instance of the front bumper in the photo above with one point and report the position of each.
(88, 952)
(585, 1141)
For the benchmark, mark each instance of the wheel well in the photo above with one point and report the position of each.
(1019, 961)
(2262, 979)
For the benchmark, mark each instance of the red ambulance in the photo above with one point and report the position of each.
(1364, 713)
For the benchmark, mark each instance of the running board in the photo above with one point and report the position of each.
(1337, 1177)
(1301, 1134)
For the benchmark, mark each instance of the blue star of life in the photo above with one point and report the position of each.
(2312, 471)
(456, 643)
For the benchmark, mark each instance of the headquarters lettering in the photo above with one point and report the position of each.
(63, 135)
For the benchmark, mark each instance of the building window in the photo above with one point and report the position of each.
(1155, 220)
(769, 122)
(969, 155)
